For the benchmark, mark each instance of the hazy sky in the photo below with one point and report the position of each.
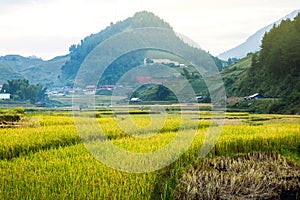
(46, 28)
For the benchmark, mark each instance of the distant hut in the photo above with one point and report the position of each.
(254, 96)
(40, 104)
(135, 100)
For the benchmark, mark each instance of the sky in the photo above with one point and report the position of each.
(47, 28)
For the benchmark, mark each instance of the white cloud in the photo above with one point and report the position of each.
(215, 25)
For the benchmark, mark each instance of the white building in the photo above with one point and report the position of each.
(4, 96)
(135, 100)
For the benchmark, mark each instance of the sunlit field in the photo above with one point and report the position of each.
(43, 157)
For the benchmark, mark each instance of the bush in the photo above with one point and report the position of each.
(10, 118)
(19, 110)
(11, 115)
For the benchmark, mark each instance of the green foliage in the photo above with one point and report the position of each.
(11, 115)
(79, 52)
(281, 49)
(19, 110)
(19, 63)
(220, 64)
(158, 93)
(257, 105)
(33, 69)
(132, 59)
(9, 118)
(235, 74)
(120, 66)
(7, 73)
(191, 74)
(274, 71)
(231, 61)
(21, 90)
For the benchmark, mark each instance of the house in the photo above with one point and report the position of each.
(91, 89)
(201, 97)
(254, 96)
(148, 61)
(182, 66)
(107, 87)
(40, 104)
(135, 100)
(165, 61)
(5, 96)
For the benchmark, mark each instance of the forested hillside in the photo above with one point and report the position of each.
(36, 70)
(7, 73)
(62, 70)
(275, 70)
(235, 74)
(79, 52)
(140, 20)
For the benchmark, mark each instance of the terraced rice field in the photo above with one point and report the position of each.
(256, 156)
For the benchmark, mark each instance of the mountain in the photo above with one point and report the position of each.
(7, 73)
(18, 63)
(253, 43)
(33, 69)
(62, 70)
(46, 72)
(79, 52)
(144, 19)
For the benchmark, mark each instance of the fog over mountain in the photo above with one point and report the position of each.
(253, 43)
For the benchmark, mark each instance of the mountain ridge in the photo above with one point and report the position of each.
(80, 51)
(61, 70)
(253, 43)
(34, 69)
(142, 19)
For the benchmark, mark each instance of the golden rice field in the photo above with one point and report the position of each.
(45, 158)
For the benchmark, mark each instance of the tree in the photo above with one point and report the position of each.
(275, 69)
(21, 90)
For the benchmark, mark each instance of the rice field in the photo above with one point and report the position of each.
(46, 157)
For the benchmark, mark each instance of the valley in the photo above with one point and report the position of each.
(152, 116)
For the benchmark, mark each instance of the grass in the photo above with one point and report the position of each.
(45, 158)
(234, 74)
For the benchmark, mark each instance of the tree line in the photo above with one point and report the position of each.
(22, 90)
(275, 70)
